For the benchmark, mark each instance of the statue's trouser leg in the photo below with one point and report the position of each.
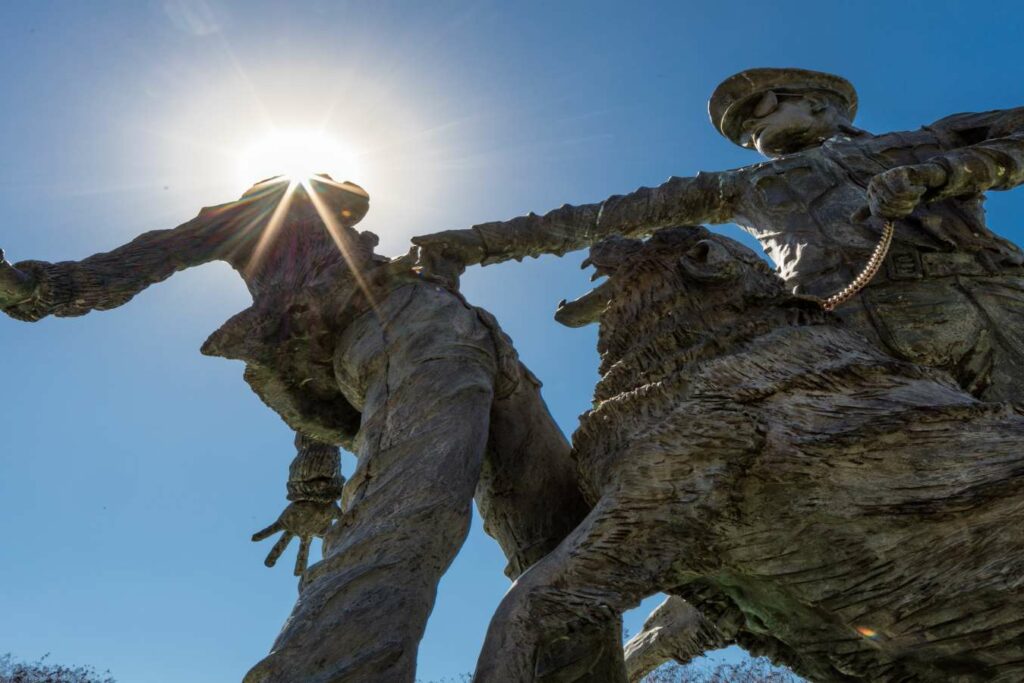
(606, 566)
(530, 499)
(1000, 301)
(426, 369)
(968, 326)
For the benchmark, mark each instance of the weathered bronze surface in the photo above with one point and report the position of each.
(846, 513)
(353, 349)
(951, 290)
(837, 492)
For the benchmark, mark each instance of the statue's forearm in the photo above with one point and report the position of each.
(990, 165)
(107, 280)
(701, 199)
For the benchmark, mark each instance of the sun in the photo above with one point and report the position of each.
(296, 154)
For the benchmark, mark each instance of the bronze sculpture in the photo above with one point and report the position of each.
(384, 356)
(353, 349)
(857, 512)
(948, 295)
(807, 205)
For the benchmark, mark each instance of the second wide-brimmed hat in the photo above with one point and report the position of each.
(731, 103)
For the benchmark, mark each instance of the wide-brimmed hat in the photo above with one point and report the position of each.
(347, 202)
(731, 103)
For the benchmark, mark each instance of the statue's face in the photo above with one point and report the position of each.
(783, 123)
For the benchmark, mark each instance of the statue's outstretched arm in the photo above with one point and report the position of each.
(31, 290)
(314, 486)
(988, 154)
(705, 198)
(996, 164)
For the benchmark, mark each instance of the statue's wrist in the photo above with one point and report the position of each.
(315, 473)
(325, 490)
(934, 175)
(495, 245)
(962, 174)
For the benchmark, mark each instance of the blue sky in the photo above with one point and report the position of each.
(132, 469)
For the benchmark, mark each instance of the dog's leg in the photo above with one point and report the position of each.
(615, 558)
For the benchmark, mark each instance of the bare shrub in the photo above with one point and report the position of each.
(41, 671)
(753, 670)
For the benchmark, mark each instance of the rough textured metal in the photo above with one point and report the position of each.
(675, 630)
(950, 293)
(858, 511)
(950, 288)
(353, 349)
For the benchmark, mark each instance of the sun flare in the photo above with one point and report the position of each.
(297, 155)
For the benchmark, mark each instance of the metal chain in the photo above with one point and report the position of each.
(865, 276)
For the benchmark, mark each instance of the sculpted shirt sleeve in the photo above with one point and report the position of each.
(705, 198)
(107, 280)
(992, 155)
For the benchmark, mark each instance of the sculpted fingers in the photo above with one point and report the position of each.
(891, 196)
(466, 246)
(434, 239)
(302, 559)
(305, 519)
(278, 548)
(268, 532)
(897, 192)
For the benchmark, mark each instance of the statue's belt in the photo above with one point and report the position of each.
(902, 264)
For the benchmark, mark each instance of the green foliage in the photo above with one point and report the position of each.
(41, 671)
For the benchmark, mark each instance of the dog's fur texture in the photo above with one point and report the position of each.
(861, 514)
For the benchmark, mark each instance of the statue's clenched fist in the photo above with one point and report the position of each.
(305, 519)
(15, 286)
(897, 192)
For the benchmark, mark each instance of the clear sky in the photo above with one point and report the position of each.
(132, 469)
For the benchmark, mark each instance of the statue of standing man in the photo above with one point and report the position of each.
(354, 349)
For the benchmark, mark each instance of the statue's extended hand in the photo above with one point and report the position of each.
(304, 519)
(15, 286)
(897, 192)
(464, 246)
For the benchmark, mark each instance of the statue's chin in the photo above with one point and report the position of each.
(777, 142)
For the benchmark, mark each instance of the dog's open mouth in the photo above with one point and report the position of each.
(606, 257)
(586, 309)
